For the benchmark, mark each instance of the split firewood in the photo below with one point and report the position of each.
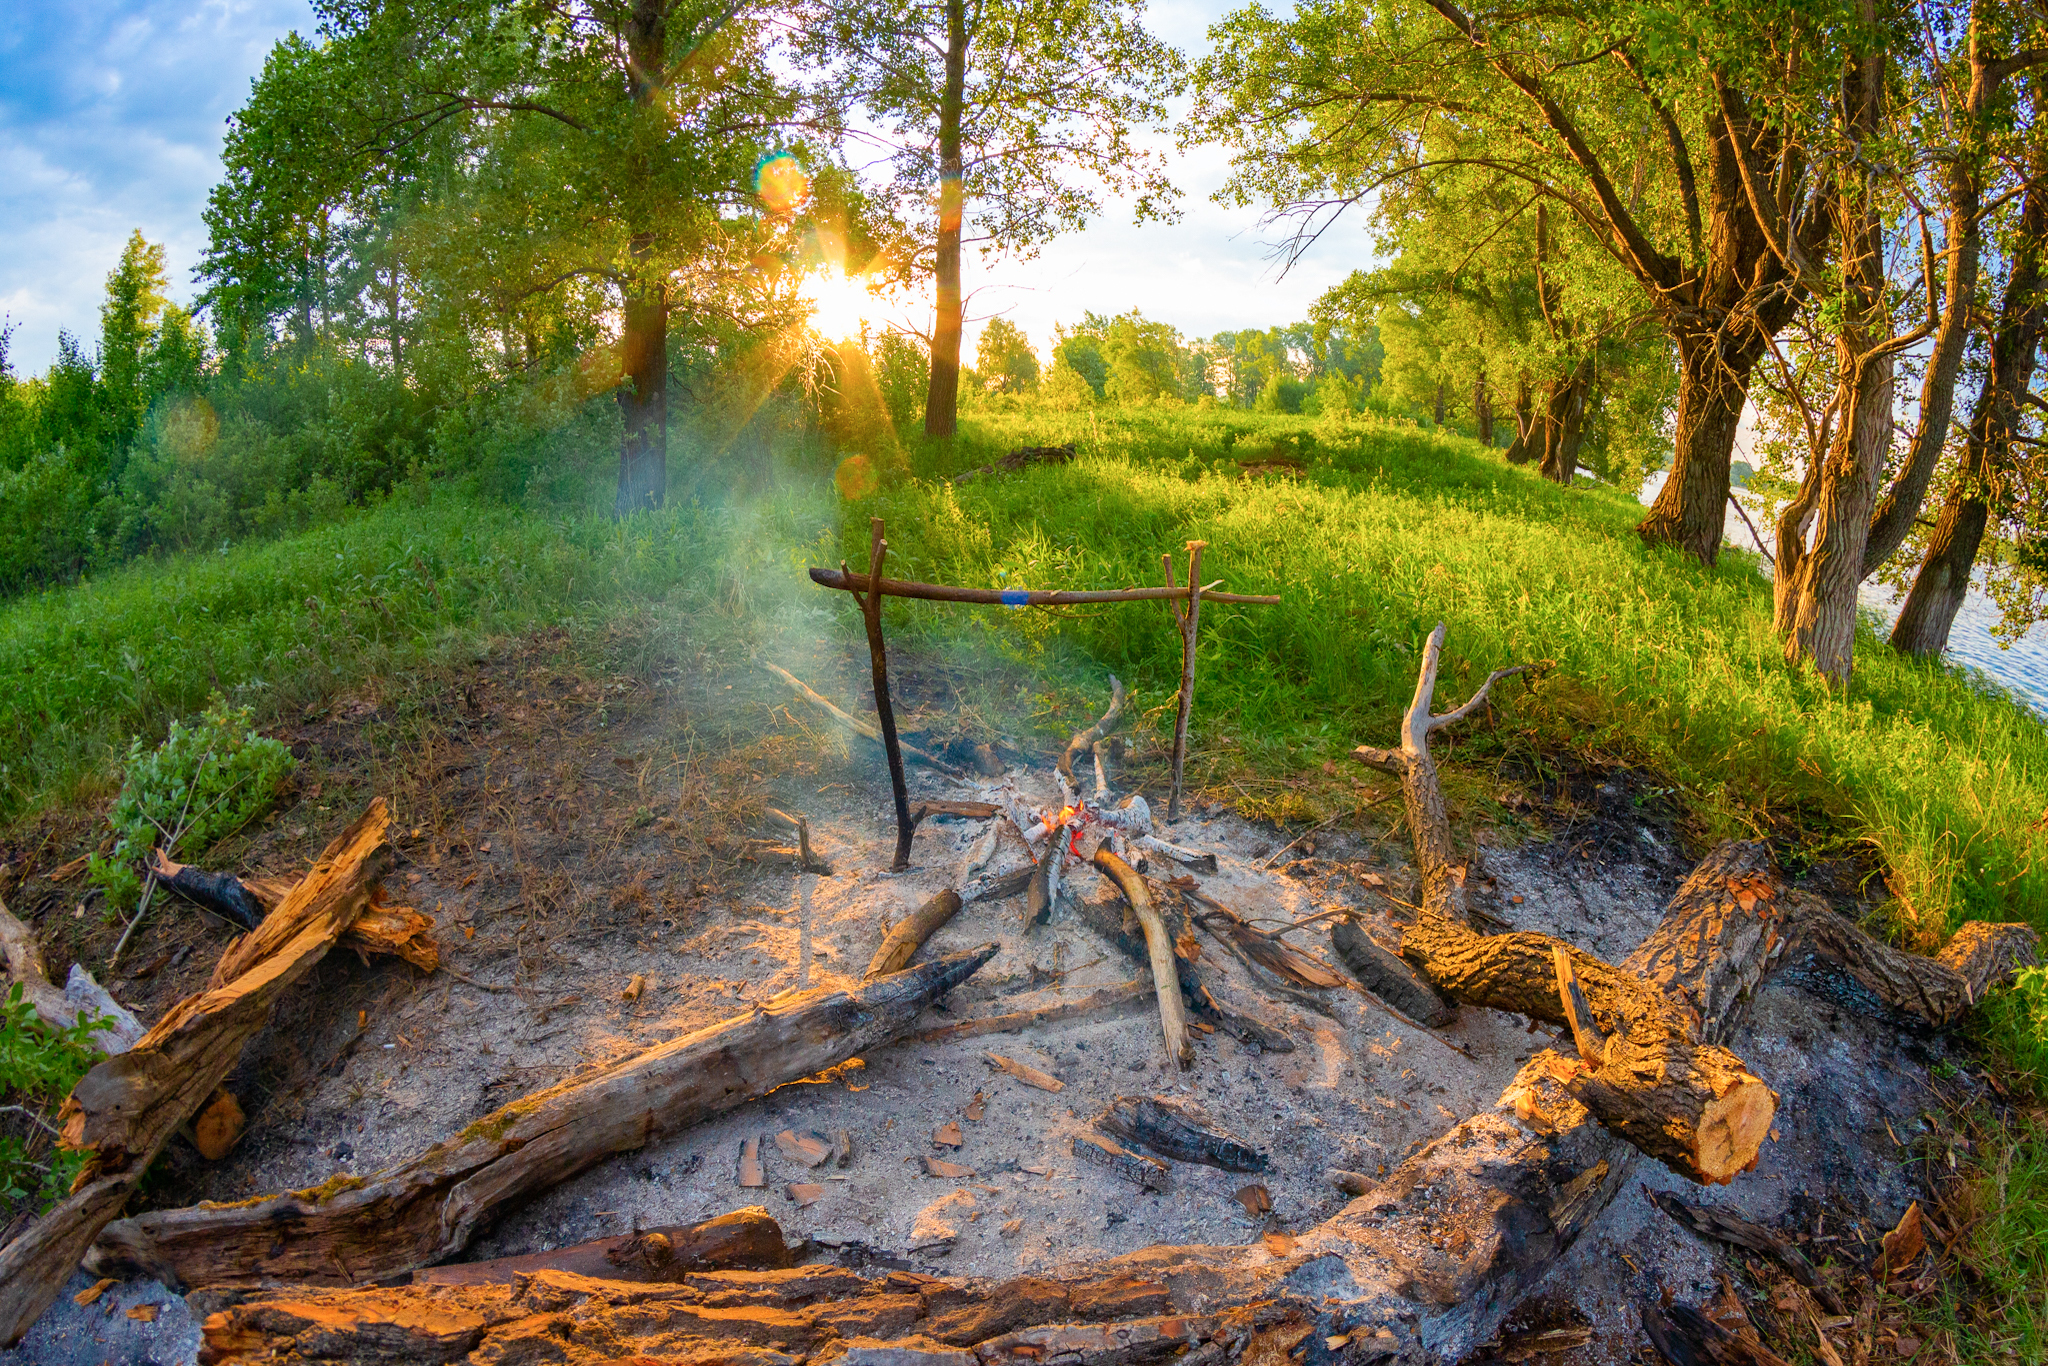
(1148, 1173)
(907, 935)
(1724, 1226)
(1386, 976)
(1105, 998)
(746, 1238)
(1178, 1129)
(381, 930)
(424, 1210)
(854, 724)
(21, 961)
(125, 1109)
(1165, 976)
(1030, 1076)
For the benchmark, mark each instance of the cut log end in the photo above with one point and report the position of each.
(1732, 1131)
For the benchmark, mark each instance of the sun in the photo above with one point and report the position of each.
(841, 304)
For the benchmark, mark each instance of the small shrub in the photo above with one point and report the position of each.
(39, 1065)
(203, 783)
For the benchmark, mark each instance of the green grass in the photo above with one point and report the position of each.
(1650, 658)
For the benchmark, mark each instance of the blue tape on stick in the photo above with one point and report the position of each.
(1016, 597)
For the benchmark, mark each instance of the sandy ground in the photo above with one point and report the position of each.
(551, 847)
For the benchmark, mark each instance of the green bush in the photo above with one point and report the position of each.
(46, 519)
(203, 783)
(39, 1065)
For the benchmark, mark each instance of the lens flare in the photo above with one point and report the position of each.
(780, 182)
(841, 305)
(855, 477)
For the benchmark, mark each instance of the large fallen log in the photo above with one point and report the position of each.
(746, 1239)
(127, 1107)
(353, 1230)
(1656, 1073)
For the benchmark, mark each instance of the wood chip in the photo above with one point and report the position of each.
(951, 1171)
(92, 1292)
(71, 869)
(750, 1173)
(948, 1134)
(1904, 1244)
(1256, 1200)
(976, 1108)
(1279, 1244)
(1030, 1076)
(802, 1193)
(143, 1313)
(842, 1148)
(636, 988)
(1013, 1228)
(809, 1147)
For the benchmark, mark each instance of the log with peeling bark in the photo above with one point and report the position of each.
(127, 1107)
(424, 1210)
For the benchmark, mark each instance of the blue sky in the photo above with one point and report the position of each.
(111, 118)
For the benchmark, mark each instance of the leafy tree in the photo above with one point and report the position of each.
(1080, 350)
(1327, 106)
(1005, 358)
(998, 117)
(547, 167)
(137, 294)
(1065, 390)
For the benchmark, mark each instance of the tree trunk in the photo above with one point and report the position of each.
(942, 399)
(1944, 577)
(1822, 626)
(397, 329)
(1439, 401)
(1482, 410)
(643, 399)
(1689, 511)
(1564, 425)
(1518, 451)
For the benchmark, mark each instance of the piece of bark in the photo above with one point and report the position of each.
(809, 1147)
(748, 1238)
(1571, 998)
(1180, 1130)
(424, 1210)
(842, 1148)
(1727, 1227)
(1159, 944)
(950, 1171)
(125, 1109)
(1388, 977)
(907, 935)
(1256, 1199)
(750, 1175)
(1903, 1245)
(802, 1194)
(1148, 1173)
(1103, 998)
(1030, 1076)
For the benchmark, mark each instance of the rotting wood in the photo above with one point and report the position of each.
(907, 935)
(1180, 1130)
(854, 723)
(744, 1239)
(1173, 1022)
(125, 1109)
(1388, 977)
(381, 930)
(1104, 998)
(424, 1210)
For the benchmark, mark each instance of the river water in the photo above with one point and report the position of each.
(2021, 670)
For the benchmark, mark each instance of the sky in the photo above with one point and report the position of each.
(111, 118)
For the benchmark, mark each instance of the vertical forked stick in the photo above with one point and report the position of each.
(1173, 1020)
(1190, 618)
(871, 613)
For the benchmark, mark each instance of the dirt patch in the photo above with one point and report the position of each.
(572, 830)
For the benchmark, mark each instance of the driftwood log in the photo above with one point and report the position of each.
(353, 1230)
(127, 1107)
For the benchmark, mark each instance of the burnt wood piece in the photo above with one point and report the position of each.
(746, 1239)
(1019, 458)
(125, 1109)
(907, 935)
(1160, 954)
(1148, 1173)
(1086, 740)
(221, 893)
(966, 811)
(1180, 1130)
(1007, 884)
(1388, 977)
(424, 1210)
(1273, 954)
(885, 710)
(1104, 998)
(1722, 1226)
(1834, 958)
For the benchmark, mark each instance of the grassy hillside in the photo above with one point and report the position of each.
(1382, 531)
